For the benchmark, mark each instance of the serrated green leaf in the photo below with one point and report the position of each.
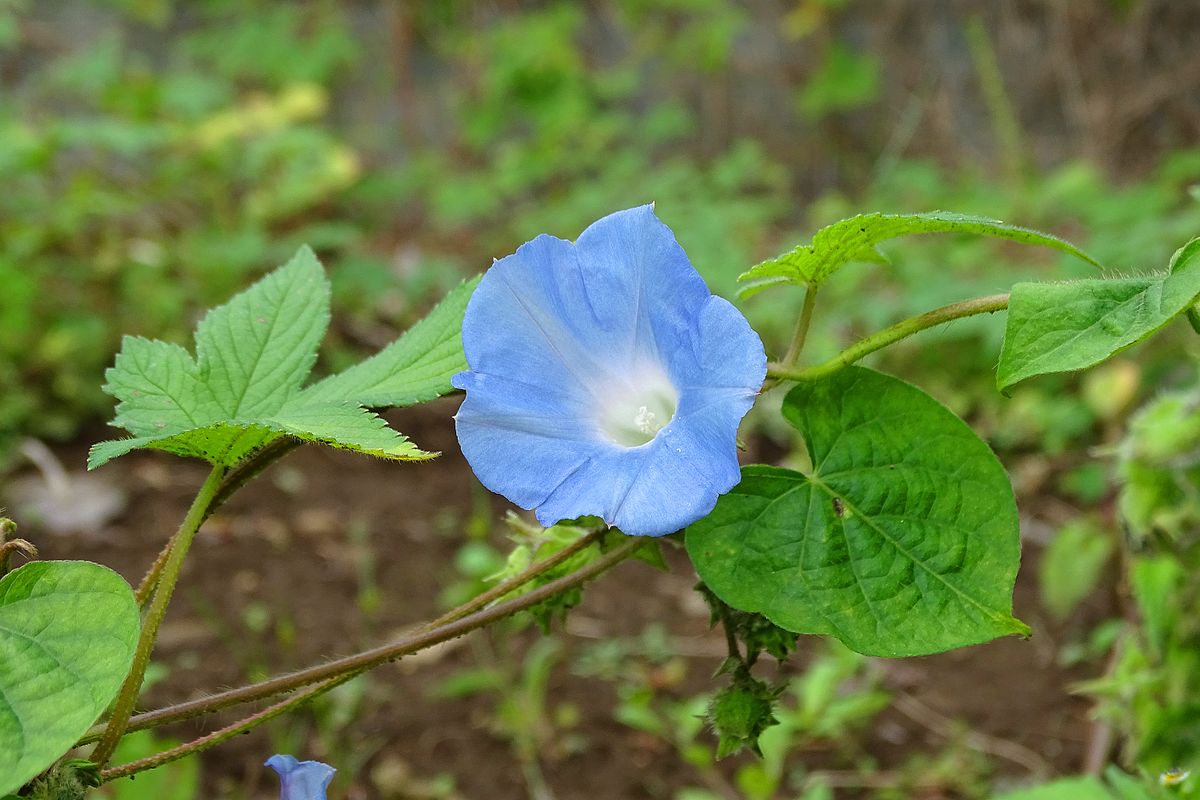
(855, 239)
(348, 426)
(222, 443)
(413, 369)
(159, 388)
(68, 630)
(1060, 327)
(253, 353)
(902, 540)
(256, 350)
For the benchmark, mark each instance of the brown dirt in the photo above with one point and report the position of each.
(288, 543)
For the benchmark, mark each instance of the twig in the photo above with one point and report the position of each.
(917, 711)
(344, 668)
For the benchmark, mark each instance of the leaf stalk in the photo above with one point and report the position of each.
(800, 335)
(877, 341)
(127, 697)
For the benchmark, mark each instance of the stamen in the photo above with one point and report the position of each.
(633, 413)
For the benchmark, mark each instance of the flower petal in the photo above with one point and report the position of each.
(530, 309)
(660, 487)
(301, 780)
(680, 481)
(574, 347)
(721, 351)
(521, 440)
(639, 279)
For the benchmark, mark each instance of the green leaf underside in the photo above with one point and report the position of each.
(856, 239)
(415, 368)
(348, 427)
(253, 353)
(902, 541)
(68, 630)
(1061, 327)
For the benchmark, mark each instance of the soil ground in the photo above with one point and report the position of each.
(305, 539)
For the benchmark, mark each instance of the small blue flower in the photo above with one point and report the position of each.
(301, 780)
(605, 379)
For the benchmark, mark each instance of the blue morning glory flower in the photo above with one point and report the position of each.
(605, 379)
(301, 780)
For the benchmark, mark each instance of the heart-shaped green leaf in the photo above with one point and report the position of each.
(68, 630)
(901, 540)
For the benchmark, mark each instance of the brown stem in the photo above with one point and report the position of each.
(11, 546)
(212, 739)
(371, 658)
(516, 582)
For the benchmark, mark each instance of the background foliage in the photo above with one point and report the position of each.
(160, 155)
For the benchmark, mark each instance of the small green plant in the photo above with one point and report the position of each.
(1151, 687)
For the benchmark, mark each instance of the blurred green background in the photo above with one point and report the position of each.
(156, 155)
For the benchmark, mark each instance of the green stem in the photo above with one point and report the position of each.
(338, 671)
(801, 333)
(250, 468)
(731, 642)
(127, 697)
(234, 479)
(145, 589)
(901, 330)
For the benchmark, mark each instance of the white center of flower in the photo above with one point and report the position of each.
(633, 414)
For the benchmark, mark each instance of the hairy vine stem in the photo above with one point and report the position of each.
(887, 336)
(246, 694)
(332, 673)
(234, 479)
(7, 548)
(145, 589)
(216, 737)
